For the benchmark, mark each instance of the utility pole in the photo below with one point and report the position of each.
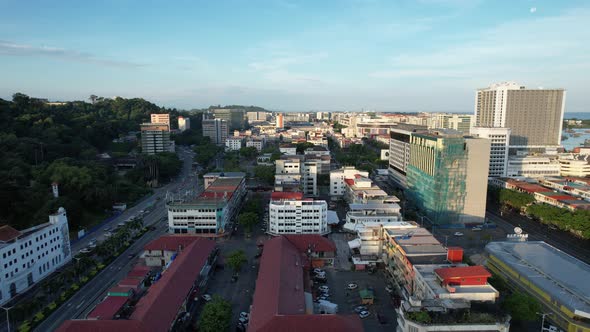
(7, 317)
(543, 319)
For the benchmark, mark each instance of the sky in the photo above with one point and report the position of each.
(390, 55)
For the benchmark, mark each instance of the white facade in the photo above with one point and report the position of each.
(532, 167)
(32, 254)
(160, 118)
(298, 217)
(499, 139)
(309, 178)
(257, 143)
(288, 166)
(337, 177)
(233, 143)
(572, 165)
(184, 123)
(288, 150)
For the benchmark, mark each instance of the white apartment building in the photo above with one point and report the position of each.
(574, 165)
(362, 190)
(183, 123)
(459, 122)
(372, 214)
(499, 140)
(258, 143)
(30, 255)
(288, 149)
(532, 166)
(297, 216)
(233, 143)
(309, 177)
(337, 177)
(288, 165)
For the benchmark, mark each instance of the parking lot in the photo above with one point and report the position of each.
(472, 242)
(347, 299)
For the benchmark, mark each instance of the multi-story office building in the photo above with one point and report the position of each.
(233, 143)
(256, 116)
(290, 213)
(399, 151)
(459, 122)
(216, 129)
(337, 177)
(533, 166)
(155, 138)
(309, 177)
(235, 118)
(574, 165)
(499, 139)
(280, 124)
(295, 171)
(183, 123)
(557, 280)
(32, 254)
(362, 190)
(379, 214)
(447, 177)
(534, 116)
(211, 213)
(321, 155)
(161, 118)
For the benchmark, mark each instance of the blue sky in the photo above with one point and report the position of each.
(420, 55)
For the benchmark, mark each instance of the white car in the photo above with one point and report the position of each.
(316, 271)
(324, 288)
(352, 285)
(476, 229)
(364, 314)
(458, 234)
(244, 314)
(206, 297)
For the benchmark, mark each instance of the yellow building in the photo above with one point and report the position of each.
(560, 282)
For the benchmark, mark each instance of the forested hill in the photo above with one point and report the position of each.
(41, 143)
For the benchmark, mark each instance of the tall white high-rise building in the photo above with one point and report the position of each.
(160, 118)
(534, 116)
(184, 123)
(499, 139)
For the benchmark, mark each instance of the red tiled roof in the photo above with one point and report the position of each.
(130, 282)
(108, 308)
(8, 233)
(279, 300)
(217, 194)
(463, 272)
(120, 289)
(139, 271)
(171, 242)
(318, 242)
(276, 195)
(158, 308)
(350, 182)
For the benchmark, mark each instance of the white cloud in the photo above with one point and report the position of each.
(15, 49)
(533, 9)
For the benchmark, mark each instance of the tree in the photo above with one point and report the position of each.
(236, 259)
(521, 307)
(302, 146)
(248, 152)
(216, 316)
(248, 220)
(265, 173)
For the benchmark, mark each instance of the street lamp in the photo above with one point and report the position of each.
(7, 317)
(543, 319)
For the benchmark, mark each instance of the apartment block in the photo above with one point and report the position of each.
(290, 213)
(235, 118)
(183, 123)
(533, 166)
(163, 118)
(256, 142)
(499, 139)
(534, 116)
(155, 138)
(32, 254)
(337, 177)
(234, 143)
(458, 122)
(216, 129)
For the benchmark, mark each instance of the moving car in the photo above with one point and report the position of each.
(476, 229)
(206, 297)
(458, 234)
(352, 285)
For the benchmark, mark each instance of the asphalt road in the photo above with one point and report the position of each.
(79, 305)
(563, 241)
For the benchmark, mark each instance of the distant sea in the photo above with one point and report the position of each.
(577, 115)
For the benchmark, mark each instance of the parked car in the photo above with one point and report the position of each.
(364, 314)
(352, 285)
(476, 229)
(458, 234)
(360, 308)
(206, 297)
(243, 321)
(324, 288)
(318, 271)
(244, 314)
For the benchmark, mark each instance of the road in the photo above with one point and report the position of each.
(79, 305)
(563, 241)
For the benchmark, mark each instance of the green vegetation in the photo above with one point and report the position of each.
(338, 127)
(248, 220)
(216, 316)
(521, 307)
(236, 259)
(575, 222)
(360, 156)
(265, 174)
(231, 162)
(249, 152)
(205, 151)
(419, 317)
(40, 144)
(301, 147)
